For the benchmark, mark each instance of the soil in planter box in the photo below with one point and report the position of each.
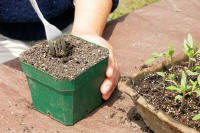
(80, 56)
(152, 89)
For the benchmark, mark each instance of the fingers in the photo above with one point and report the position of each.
(108, 86)
(110, 69)
(110, 82)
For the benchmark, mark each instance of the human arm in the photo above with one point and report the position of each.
(90, 20)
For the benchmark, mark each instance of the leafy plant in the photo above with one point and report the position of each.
(196, 117)
(190, 49)
(191, 73)
(195, 68)
(184, 88)
(181, 89)
(163, 75)
(167, 55)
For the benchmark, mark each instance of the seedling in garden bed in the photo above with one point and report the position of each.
(182, 89)
(195, 68)
(167, 55)
(191, 73)
(190, 50)
(165, 78)
(196, 117)
(163, 75)
(181, 84)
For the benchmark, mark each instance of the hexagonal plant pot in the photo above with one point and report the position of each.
(67, 101)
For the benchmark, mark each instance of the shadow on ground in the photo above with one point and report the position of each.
(115, 110)
(135, 117)
(14, 64)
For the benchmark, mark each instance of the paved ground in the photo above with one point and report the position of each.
(134, 38)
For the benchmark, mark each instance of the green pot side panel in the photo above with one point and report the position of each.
(48, 101)
(67, 101)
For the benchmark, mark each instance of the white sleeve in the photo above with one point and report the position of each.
(10, 49)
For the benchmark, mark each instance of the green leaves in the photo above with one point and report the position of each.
(198, 52)
(195, 68)
(183, 81)
(168, 55)
(162, 74)
(155, 56)
(190, 40)
(196, 117)
(170, 51)
(190, 73)
(149, 61)
(173, 88)
(194, 85)
(171, 77)
(181, 86)
(178, 97)
(198, 80)
(198, 93)
(190, 50)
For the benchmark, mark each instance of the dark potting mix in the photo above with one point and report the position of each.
(153, 88)
(80, 56)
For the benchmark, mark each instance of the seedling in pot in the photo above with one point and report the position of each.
(190, 50)
(167, 55)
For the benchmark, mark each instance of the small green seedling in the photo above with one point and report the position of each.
(191, 73)
(181, 89)
(167, 55)
(196, 117)
(163, 75)
(190, 49)
(195, 88)
(171, 76)
(171, 79)
(184, 88)
(195, 68)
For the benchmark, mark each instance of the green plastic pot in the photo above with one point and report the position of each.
(66, 101)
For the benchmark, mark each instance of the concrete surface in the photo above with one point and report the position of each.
(134, 38)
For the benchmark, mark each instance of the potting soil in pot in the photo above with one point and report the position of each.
(81, 55)
(153, 89)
